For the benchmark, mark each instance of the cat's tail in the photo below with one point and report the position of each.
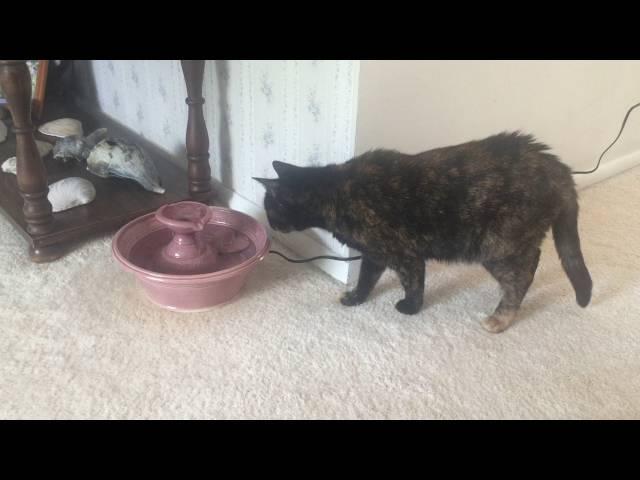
(565, 235)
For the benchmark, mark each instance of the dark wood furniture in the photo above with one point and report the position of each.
(23, 198)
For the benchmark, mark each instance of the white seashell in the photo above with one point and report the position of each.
(70, 192)
(63, 127)
(3, 131)
(117, 158)
(10, 165)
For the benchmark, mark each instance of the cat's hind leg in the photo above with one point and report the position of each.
(411, 272)
(514, 274)
(370, 273)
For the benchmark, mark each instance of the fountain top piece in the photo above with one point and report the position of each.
(184, 217)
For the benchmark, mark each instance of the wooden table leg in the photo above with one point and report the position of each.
(32, 177)
(197, 135)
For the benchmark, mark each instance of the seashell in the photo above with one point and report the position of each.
(10, 165)
(70, 192)
(3, 131)
(77, 148)
(63, 127)
(72, 147)
(118, 158)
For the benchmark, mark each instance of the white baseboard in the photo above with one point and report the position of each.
(608, 169)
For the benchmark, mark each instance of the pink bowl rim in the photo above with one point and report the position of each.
(198, 278)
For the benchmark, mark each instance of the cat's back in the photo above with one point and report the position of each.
(507, 159)
(477, 199)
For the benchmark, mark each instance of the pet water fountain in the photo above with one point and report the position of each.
(188, 256)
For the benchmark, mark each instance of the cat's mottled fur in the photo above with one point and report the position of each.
(490, 201)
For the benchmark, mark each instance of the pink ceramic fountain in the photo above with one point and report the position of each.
(188, 256)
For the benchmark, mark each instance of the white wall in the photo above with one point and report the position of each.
(574, 106)
(301, 112)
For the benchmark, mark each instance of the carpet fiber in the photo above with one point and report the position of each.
(78, 340)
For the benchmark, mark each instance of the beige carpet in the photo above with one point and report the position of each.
(78, 341)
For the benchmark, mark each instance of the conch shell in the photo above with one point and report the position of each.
(118, 158)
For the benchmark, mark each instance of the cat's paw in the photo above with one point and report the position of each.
(498, 322)
(408, 307)
(351, 299)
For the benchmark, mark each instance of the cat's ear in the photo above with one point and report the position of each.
(269, 183)
(285, 169)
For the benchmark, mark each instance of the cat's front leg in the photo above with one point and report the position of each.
(411, 272)
(370, 272)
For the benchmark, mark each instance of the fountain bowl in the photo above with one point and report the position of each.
(233, 244)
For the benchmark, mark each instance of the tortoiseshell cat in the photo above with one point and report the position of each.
(489, 201)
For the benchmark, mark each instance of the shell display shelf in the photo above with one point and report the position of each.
(23, 198)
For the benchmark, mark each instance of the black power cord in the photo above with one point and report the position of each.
(624, 122)
(359, 257)
(327, 257)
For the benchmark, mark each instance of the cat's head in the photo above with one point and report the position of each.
(292, 201)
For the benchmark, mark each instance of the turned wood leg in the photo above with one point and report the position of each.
(32, 177)
(197, 135)
(47, 254)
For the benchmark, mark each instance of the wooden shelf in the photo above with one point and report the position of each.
(117, 200)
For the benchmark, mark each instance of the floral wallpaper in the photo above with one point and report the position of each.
(297, 111)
